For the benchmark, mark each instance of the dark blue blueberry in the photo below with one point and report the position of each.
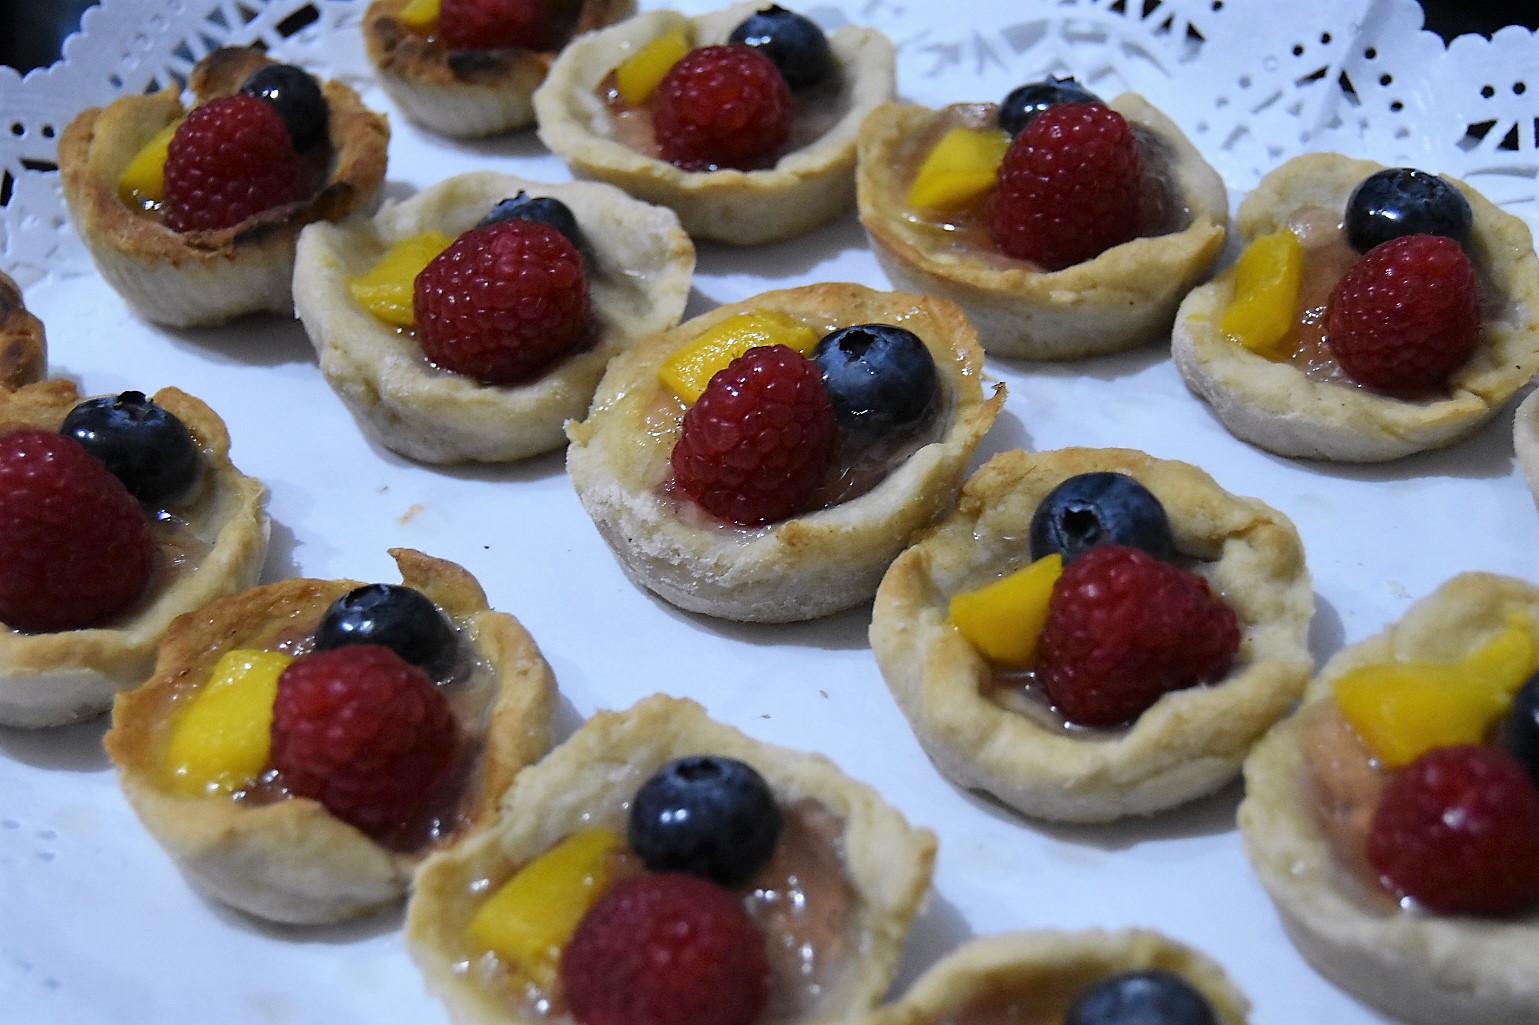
(1404, 201)
(881, 379)
(1100, 508)
(1152, 996)
(145, 447)
(296, 95)
(794, 42)
(1520, 730)
(1027, 101)
(542, 209)
(401, 618)
(706, 815)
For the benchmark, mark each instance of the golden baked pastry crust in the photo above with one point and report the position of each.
(49, 679)
(207, 277)
(1420, 968)
(290, 860)
(470, 93)
(1041, 971)
(803, 567)
(23, 348)
(639, 277)
(590, 780)
(1125, 297)
(806, 188)
(1277, 407)
(1191, 742)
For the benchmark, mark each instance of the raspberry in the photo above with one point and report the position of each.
(495, 24)
(1068, 187)
(75, 547)
(365, 733)
(753, 447)
(1405, 315)
(232, 158)
(503, 302)
(666, 949)
(722, 106)
(1124, 628)
(1457, 831)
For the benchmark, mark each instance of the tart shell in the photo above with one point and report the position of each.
(23, 348)
(639, 274)
(803, 567)
(1190, 743)
(1275, 406)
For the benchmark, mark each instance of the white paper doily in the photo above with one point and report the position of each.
(97, 926)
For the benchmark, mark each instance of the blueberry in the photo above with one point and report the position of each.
(1100, 508)
(794, 42)
(1153, 996)
(296, 95)
(1027, 101)
(881, 379)
(1520, 730)
(1404, 201)
(401, 618)
(145, 447)
(706, 815)
(542, 209)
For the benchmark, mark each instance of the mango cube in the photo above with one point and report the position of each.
(960, 168)
(220, 741)
(639, 74)
(385, 290)
(143, 181)
(1267, 280)
(692, 365)
(420, 15)
(1004, 619)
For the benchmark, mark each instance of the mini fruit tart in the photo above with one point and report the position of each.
(1050, 977)
(989, 205)
(467, 68)
(764, 462)
(1394, 818)
(1095, 633)
(117, 514)
(418, 350)
(1525, 440)
(191, 214)
(302, 746)
(1335, 338)
(648, 831)
(743, 121)
(23, 348)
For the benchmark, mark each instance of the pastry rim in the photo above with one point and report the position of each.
(1276, 407)
(291, 861)
(646, 265)
(23, 344)
(1191, 742)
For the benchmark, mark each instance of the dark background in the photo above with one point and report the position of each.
(31, 31)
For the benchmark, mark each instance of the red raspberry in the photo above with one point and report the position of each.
(1124, 628)
(495, 24)
(666, 949)
(753, 447)
(1457, 831)
(1405, 315)
(503, 303)
(75, 547)
(1068, 187)
(232, 158)
(722, 106)
(364, 732)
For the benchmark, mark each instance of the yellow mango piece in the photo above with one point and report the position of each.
(420, 15)
(385, 290)
(529, 919)
(1401, 710)
(639, 74)
(959, 168)
(143, 181)
(1004, 619)
(220, 740)
(692, 365)
(1267, 281)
